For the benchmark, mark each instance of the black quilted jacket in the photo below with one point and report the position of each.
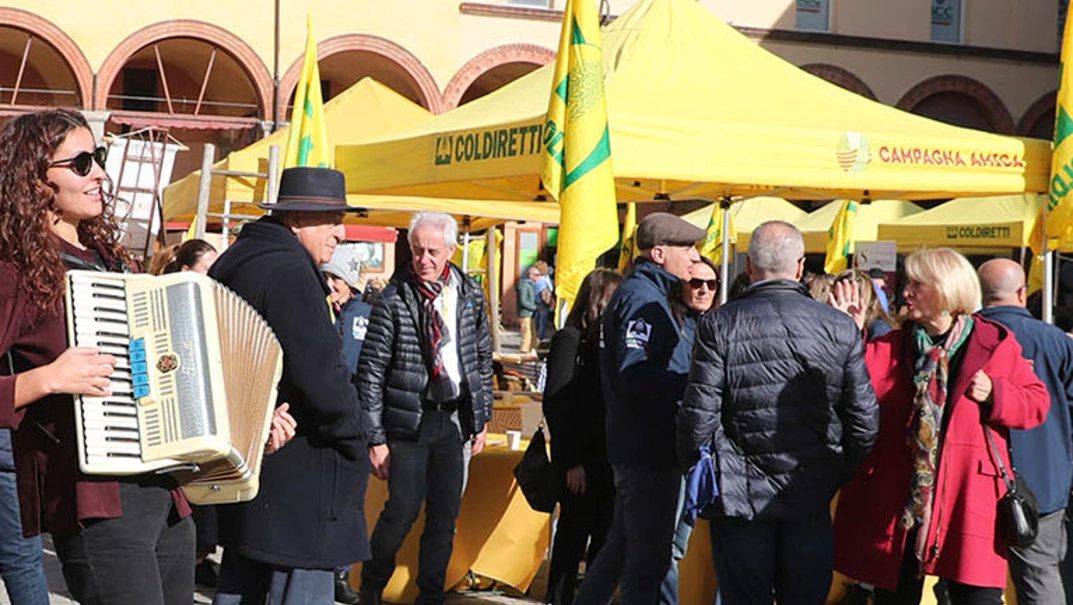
(779, 385)
(393, 373)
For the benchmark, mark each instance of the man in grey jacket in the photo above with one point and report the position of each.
(779, 389)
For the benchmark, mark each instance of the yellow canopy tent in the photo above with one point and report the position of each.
(975, 223)
(815, 225)
(364, 111)
(747, 216)
(698, 110)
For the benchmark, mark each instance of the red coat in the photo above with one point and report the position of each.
(962, 544)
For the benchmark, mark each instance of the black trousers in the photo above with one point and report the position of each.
(910, 586)
(583, 521)
(145, 557)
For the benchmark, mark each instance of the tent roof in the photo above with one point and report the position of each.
(364, 111)
(747, 215)
(698, 110)
(994, 222)
(815, 225)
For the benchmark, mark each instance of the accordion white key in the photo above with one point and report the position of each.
(194, 387)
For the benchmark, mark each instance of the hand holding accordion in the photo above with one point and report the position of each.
(194, 385)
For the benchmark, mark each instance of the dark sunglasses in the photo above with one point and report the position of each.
(82, 163)
(696, 282)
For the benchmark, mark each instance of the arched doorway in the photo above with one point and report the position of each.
(960, 101)
(345, 60)
(493, 69)
(40, 66)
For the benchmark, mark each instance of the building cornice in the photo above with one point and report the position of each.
(800, 37)
(910, 46)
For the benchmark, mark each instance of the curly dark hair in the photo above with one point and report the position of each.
(27, 199)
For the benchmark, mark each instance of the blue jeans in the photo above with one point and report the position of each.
(638, 548)
(244, 581)
(430, 470)
(20, 558)
(784, 561)
(668, 589)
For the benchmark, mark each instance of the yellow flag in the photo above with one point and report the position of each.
(625, 255)
(576, 167)
(840, 238)
(712, 244)
(1060, 201)
(307, 144)
(191, 231)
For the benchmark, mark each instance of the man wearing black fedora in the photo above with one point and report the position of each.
(309, 515)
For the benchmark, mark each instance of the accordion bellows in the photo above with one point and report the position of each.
(194, 387)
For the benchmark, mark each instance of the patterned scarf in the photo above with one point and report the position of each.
(932, 372)
(436, 334)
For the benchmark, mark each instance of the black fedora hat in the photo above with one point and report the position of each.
(310, 189)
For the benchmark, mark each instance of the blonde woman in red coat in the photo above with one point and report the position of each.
(925, 501)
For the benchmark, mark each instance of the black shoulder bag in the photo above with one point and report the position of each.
(536, 476)
(1018, 510)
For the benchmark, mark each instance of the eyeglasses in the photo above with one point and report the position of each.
(696, 282)
(82, 164)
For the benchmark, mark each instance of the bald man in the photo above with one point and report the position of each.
(1043, 456)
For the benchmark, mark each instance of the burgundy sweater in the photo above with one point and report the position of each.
(54, 495)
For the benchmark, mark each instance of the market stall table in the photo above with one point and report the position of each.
(498, 536)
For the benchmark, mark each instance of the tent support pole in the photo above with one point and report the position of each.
(490, 253)
(724, 266)
(465, 245)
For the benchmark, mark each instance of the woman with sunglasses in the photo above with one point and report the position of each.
(121, 540)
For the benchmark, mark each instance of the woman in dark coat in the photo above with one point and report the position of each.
(574, 407)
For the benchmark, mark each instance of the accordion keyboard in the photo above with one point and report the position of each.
(109, 424)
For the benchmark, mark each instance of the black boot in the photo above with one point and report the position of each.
(370, 596)
(343, 592)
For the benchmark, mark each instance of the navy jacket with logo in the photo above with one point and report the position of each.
(1043, 456)
(644, 367)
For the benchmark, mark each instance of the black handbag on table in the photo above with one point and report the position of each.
(536, 476)
(1018, 510)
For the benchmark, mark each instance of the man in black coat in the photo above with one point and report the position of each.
(779, 390)
(309, 515)
(425, 384)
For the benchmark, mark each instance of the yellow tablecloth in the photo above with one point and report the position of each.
(498, 536)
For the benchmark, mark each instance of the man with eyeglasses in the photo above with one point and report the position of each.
(779, 391)
(644, 364)
(1042, 456)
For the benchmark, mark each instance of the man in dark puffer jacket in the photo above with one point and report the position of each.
(425, 384)
(779, 388)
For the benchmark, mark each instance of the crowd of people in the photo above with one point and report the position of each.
(662, 405)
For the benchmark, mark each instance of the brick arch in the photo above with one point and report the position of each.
(1041, 108)
(993, 107)
(60, 41)
(489, 60)
(841, 77)
(241, 52)
(410, 64)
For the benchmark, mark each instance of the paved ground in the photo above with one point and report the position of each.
(60, 596)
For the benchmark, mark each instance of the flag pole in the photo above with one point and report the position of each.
(1048, 271)
(724, 266)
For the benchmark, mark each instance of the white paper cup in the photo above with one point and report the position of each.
(514, 440)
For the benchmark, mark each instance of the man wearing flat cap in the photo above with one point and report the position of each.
(779, 391)
(309, 515)
(644, 366)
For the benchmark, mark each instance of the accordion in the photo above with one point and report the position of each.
(194, 386)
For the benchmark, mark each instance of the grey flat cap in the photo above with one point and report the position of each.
(664, 229)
